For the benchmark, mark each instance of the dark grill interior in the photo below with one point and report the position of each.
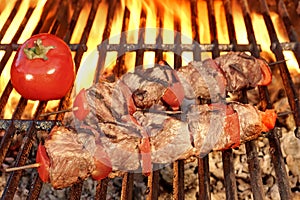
(53, 20)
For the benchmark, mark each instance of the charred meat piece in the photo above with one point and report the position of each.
(206, 124)
(251, 123)
(206, 80)
(121, 142)
(108, 102)
(240, 69)
(169, 137)
(70, 160)
(155, 85)
(219, 127)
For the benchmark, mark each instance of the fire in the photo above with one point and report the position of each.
(168, 15)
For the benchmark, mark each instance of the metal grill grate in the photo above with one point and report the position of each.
(56, 25)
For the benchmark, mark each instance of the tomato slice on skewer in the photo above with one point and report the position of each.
(81, 106)
(43, 159)
(266, 73)
(268, 119)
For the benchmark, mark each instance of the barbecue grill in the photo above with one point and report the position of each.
(53, 20)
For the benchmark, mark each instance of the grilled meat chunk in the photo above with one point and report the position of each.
(121, 144)
(240, 69)
(205, 79)
(169, 137)
(70, 161)
(250, 120)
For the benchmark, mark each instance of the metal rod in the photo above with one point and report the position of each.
(291, 32)
(278, 162)
(127, 186)
(178, 166)
(172, 47)
(102, 48)
(195, 30)
(74, 19)
(141, 41)
(15, 46)
(101, 189)
(255, 170)
(75, 191)
(204, 178)
(229, 176)
(252, 155)
(178, 180)
(153, 184)
(120, 67)
(35, 188)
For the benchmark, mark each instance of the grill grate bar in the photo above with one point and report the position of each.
(251, 147)
(178, 180)
(279, 166)
(227, 157)
(127, 186)
(154, 177)
(120, 63)
(72, 24)
(141, 40)
(101, 189)
(252, 156)
(153, 184)
(14, 46)
(178, 166)
(102, 48)
(183, 47)
(229, 175)
(75, 191)
(204, 178)
(289, 27)
(203, 163)
(35, 188)
(24, 125)
(254, 170)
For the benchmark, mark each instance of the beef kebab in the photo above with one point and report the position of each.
(71, 156)
(128, 125)
(209, 79)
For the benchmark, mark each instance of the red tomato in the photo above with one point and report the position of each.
(43, 68)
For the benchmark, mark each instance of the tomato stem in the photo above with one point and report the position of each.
(38, 51)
